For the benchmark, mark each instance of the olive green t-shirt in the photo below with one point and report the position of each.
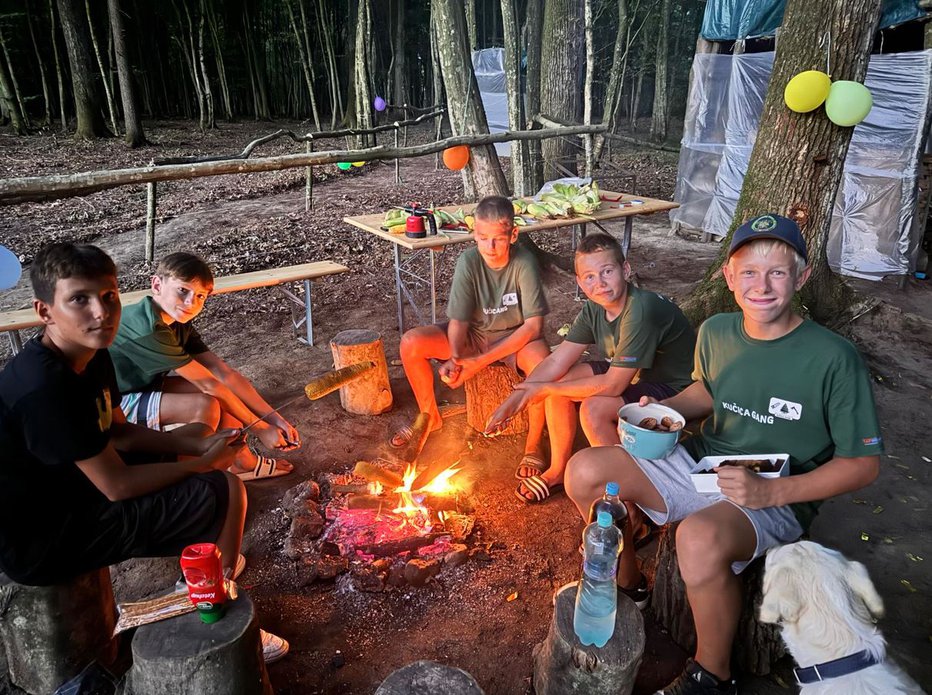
(650, 334)
(146, 347)
(495, 302)
(806, 394)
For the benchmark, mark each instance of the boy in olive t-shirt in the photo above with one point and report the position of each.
(768, 382)
(496, 309)
(643, 345)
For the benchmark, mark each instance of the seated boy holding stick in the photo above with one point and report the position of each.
(496, 309)
(768, 381)
(69, 502)
(644, 347)
(167, 375)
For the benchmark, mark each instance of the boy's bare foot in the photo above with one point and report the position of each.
(531, 464)
(403, 436)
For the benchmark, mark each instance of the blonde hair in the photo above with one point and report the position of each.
(763, 247)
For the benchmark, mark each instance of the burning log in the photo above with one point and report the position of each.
(372, 393)
(398, 545)
(419, 434)
(352, 489)
(377, 474)
(486, 391)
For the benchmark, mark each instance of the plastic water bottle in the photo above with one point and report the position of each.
(597, 595)
(611, 503)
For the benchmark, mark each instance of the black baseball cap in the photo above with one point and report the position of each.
(769, 227)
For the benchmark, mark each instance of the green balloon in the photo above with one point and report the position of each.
(848, 103)
(343, 166)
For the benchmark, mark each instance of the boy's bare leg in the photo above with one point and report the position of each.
(586, 475)
(418, 347)
(231, 533)
(598, 416)
(561, 424)
(707, 542)
(528, 358)
(246, 460)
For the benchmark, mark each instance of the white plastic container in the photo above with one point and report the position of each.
(707, 483)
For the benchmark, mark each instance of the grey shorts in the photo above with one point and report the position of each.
(142, 408)
(773, 526)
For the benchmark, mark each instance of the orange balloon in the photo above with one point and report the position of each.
(456, 158)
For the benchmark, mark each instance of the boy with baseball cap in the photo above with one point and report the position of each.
(767, 381)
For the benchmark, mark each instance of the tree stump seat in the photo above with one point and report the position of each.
(49, 634)
(486, 391)
(757, 646)
(370, 394)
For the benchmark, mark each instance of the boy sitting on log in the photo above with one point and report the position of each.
(643, 346)
(496, 309)
(767, 381)
(167, 375)
(69, 502)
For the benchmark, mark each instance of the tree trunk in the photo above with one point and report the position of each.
(399, 57)
(58, 70)
(363, 99)
(798, 158)
(134, 135)
(534, 24)
(616, 80)
(262, 97)
(46, 100)
(465, 106)
(472, 29)
(561, 70)
(437, 92)
(9, 100)
(202, 62)
(326, 31)
(108, 94)
(658, 121)
(516, 116)
(304, 51)
(221, 64)
(587, 86)
(84, 83)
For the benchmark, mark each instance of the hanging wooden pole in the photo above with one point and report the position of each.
(397, 161)
(309, 179)
(150, 221)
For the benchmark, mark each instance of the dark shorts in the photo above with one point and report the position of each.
(633, 393)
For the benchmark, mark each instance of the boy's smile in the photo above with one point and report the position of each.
(84, 314)
(494, 240)
(179, 300)
(602, 279)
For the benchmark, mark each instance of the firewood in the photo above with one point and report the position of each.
(419, 434)
(351, 489)
(401, 545)
(377, 474)
(371, 502)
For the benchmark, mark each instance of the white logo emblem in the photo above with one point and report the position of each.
(510, 299)
(786, 410)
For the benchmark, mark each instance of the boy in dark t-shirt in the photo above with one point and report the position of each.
(767, 382)
(496, 310)
(68, 501)
(642, 344)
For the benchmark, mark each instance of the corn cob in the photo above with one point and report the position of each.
(330, 382)
(419, 434)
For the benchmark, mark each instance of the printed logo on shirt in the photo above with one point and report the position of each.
(747, 412)
(499, 310)
(510, 299)
(104, 411)
(871, 441)
(785, 410)
(630, 358)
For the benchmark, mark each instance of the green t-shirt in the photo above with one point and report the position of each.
(496, 302)
(650, 334)
(806, 394)
(146, 347)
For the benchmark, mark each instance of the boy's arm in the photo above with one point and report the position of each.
(127, 436)
(692, 403)
(531, 329)
(612, 383)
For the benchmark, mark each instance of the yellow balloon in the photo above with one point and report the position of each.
(807, 91)
(358, 164)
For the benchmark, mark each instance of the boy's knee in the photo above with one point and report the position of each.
(237, 490)
(585, 471)
(207, 410)
(700, 550)
(410, 344)
(596, 409)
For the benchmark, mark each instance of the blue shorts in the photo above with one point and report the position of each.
(633, 393)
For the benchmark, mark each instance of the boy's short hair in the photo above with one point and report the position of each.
(65, 260)
(763, 247)
(495, 208)
(185, 267)
(593, 243)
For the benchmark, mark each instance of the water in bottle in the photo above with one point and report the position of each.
(597, 596)
(610, 502)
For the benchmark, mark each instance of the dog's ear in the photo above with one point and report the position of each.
(862, 586)
(782, 601)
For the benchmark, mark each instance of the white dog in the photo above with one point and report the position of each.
(827, 608)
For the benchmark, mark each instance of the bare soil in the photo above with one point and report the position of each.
(258, 221)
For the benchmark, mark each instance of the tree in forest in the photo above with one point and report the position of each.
(798, 158)
(561, 70)
(87, 102)
(658, 122)
(361, 91)
(517, 119)
(134, 135)
(8, 104)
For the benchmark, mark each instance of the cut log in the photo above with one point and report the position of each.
(377, 474)
(400, 545)
(757, 646)
(50, 633)
(370, 394)
(486, 391)
(429, 678)
(419, 433)
(187, 655)
(563, 665)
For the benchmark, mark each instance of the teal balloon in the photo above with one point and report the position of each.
(10, 268)
(343, 166)
(848, 103)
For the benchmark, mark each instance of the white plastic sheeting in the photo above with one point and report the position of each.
(489, 66)
(872, 226)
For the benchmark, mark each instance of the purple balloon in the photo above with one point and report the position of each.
(379, 104)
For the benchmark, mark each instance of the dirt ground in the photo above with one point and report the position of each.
(258, 221)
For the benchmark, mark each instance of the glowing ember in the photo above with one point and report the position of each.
(410, 505)
(441, 484)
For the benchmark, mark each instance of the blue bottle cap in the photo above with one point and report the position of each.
(611, 488)
(604, 519)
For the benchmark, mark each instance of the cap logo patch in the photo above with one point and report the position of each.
(765, 223)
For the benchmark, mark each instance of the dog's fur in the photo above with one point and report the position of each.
(827, 608)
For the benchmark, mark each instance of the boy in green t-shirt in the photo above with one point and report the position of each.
(768, 382)
(644, 347)
(496, 309)
(167, 375)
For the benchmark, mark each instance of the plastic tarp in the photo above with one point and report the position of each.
(489, 66)
(730, 20)
(872, 231)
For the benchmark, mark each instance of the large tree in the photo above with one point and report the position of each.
(134, 134)
(561, 71)
(84, 77)
(797, 161)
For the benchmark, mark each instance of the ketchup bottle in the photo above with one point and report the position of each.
(203, 573)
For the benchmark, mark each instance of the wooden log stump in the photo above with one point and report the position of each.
(563, 665)
(757, 646)
(429, 678)
(50, 633)
(185, 655)
(370, 394)
(486, 391)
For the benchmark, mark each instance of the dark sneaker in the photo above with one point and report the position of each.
(695, 680)
(639, 594)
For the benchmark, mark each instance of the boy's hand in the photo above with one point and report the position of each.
(467, 367)
(449, 371)
(222, 450)
(273, 437)
(510, 407)
(746, 488)
(647, 400)
(287, 432)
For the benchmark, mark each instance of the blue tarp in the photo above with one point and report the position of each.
(730, 20)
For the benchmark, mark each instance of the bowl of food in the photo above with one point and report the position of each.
(649, 431)
(705, 479)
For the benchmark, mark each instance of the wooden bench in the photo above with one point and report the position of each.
(14, 321)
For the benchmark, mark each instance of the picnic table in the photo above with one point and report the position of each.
(411, 273)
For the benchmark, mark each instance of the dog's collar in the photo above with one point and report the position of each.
(835, 668)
